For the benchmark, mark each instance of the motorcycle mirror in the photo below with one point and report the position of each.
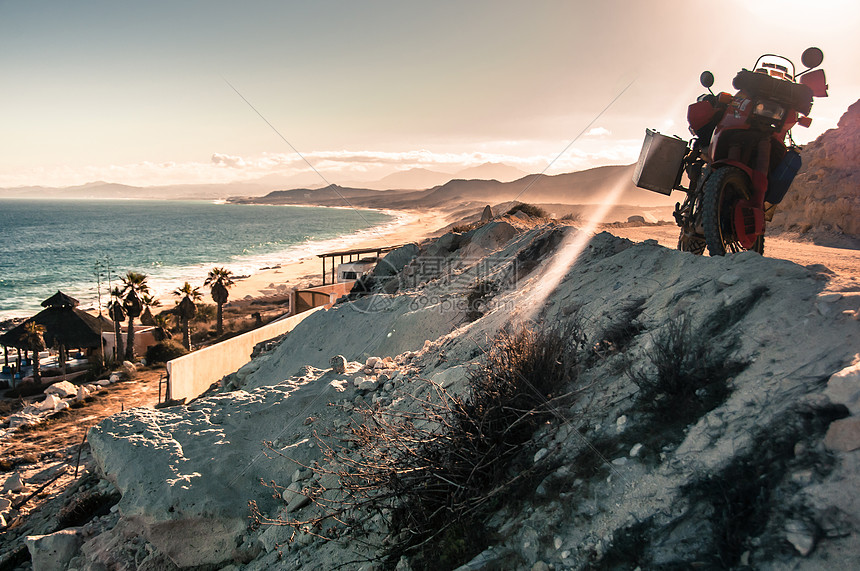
(706, 79)
(812, 57)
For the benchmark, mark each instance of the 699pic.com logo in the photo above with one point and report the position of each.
(460, 285)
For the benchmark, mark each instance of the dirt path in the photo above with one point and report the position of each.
(844, 263)
(47, 454)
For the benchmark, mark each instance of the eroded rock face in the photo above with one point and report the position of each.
(825, 195)
(187, 475)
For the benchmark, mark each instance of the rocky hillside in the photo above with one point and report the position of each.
(516, 397)
(825, 195)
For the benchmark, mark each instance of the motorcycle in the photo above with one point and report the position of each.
(738, 166)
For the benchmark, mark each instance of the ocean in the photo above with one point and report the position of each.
(50, 245)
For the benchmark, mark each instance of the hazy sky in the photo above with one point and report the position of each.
(135, 92)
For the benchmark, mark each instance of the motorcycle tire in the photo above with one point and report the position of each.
(723, 189)
(693, 243)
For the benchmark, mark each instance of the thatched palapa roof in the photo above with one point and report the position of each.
(64, 324)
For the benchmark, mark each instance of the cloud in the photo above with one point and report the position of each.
(334, 165)
(598, 132)
(228, 160)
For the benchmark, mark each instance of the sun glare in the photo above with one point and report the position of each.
(568, 252)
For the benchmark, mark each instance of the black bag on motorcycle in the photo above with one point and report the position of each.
(782, 176)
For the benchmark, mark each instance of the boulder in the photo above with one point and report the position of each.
(51, 402)
(82, 393)
(54, 551)
(844, 388)
(338, 364)
(13, 483)
(843, 434)
(128, 369)
(395, 260)
(487, 214)
(63, 389)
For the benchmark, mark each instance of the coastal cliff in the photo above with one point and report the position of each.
(825, 195)
(750, 460)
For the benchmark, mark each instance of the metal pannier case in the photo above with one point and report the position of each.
(659, 163)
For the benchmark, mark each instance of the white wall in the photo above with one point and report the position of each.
(191, 374)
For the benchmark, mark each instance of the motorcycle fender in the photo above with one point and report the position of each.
(700, 114)
(758, 179)
(749, 223)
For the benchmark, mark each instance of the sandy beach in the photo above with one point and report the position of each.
(308, 270)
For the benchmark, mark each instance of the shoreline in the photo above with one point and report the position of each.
(290, 269)
(415, 227)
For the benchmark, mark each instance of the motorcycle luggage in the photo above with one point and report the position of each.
(794, 95)
(659, 166)
(782, 176)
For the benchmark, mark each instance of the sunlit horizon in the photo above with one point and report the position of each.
(139, 94)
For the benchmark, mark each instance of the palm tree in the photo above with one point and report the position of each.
(134, 286)
(220, 279)
(148, 302)
(117, 314)
(32, 338)
(185, 309)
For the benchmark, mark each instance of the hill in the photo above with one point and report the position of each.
(584, 187)
(537, 397)
(825, 196)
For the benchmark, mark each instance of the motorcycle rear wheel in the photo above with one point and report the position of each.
(722, 191)
(693, 243)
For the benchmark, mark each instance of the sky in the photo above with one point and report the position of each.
(171, 92)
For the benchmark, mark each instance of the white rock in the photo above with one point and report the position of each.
(829, 297)
(340, 385)
(298, 502)
(114, 378)
(621, 461)
(368, 384)
(50, 402)
(82, 393)
(23, 419)
(104, 382)
(54, 551)
(728, 279)
(844, 387)
(62, 389)
(371, 362)
(843, 434)
(634, 452)
(621, 423)
(800, 536)
(13, 483)
(540, 454)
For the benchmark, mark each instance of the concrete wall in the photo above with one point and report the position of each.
(144, 338)
(320, 296)
(191, 374)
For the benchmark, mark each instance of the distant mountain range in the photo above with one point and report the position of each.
(412, 179)
(584, 187)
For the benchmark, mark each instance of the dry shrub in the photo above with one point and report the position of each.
(433, 474)
(165, 351)
(687, 374)
(529, 209)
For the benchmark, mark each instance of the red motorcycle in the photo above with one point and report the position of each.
(738, 166)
